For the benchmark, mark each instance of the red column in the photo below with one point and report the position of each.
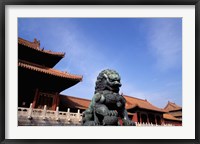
(58, 100)
(35, 98)
(55, 101)
(135, 118)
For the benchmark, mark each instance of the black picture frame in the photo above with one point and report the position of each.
(100, 2)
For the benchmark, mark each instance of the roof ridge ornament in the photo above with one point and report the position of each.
(37, 42)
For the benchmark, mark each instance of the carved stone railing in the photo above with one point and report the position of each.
(33, 114)
(56, 117)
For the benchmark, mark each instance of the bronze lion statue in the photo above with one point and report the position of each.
(107, 105)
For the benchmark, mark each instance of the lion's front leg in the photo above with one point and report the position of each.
(124, 115)
(106, 116)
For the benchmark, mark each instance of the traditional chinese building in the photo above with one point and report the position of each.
(174, 110)
(39, 83)
(139, 110)
(142, 111)
(170, 119)
(173, 114)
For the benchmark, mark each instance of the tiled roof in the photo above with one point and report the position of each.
(170, 117)
(75, 102)
(172, 107)
(47, 70)
(132, 102)
(176, 114)
(36, 46)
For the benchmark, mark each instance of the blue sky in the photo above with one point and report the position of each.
(147, 53)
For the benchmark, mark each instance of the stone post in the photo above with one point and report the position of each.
(44, 112)
(78, 115)
(30, 112)
(57, 113)
(68, 113)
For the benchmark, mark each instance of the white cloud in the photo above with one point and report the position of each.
(165, 44)
(83, 56)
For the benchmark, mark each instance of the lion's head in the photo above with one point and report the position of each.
(108, 80)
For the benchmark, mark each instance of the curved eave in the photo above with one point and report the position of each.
(33, 46)
(173, 119)
(170, 117)
(73, 102)
(32, 78)
(35, 56)
(175, 110)
(134, 106)
(157, 110)
(50, 71)
(177, 115)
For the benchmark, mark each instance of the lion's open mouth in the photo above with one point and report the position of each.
(115, 88)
